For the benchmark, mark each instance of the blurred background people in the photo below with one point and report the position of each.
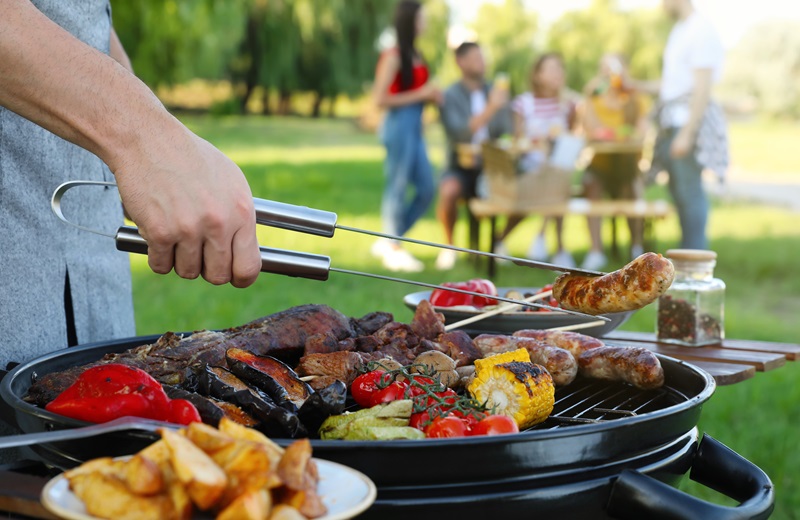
(692, 131)
(540, 116)
(402, 85)
(472, 112)
(613, 113)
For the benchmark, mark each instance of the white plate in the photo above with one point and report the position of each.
(344, 491)
(510, 322)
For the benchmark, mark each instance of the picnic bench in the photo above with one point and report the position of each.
(488, 209)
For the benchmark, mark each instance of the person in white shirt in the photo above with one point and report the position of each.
(692, 133)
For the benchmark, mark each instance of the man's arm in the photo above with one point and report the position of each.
(698, 102)
(498, 97)
(117, 51)
(191, 203)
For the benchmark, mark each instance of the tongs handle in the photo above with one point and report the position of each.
(295, 218)
(276, 261)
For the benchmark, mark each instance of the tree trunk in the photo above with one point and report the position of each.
(318, 98)
(332, 107)
(265, 99)
(285, 103)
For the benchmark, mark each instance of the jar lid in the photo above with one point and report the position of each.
(691, 255)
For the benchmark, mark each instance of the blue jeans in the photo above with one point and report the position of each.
(406, 165)
(686, 187)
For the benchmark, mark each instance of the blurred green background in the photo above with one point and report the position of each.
(260, 78)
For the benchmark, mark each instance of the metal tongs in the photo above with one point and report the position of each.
(308, 265)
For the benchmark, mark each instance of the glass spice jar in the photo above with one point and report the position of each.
(692, 311)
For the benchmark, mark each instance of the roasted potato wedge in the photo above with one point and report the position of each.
(238, 431)
(208, 438)
(106, 496)
(204, 479)
(292, 466)
(255, 504)
(284, 512)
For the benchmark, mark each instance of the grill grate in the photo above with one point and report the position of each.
(587, 401)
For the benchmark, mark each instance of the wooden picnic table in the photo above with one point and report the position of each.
(732, 361)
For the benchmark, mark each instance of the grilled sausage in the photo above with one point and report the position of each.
(632, 287)
(575, 343)
(560, 363)
(634, 365)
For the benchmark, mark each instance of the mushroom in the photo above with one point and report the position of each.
(441, 364)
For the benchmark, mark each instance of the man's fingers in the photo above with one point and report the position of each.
(160, 251)
(246, 258)
(189, 258)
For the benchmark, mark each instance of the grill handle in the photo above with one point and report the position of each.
(276, 261)
(635, 495)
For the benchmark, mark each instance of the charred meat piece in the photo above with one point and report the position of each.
(271, 376)
(427, 323)
(399, 350)
(370, 323)
(367, 343)
(317, 383)
(321, 405)
(394, 331)
(559, 362)
(575, 342)
(284, 334)
(322, 344)
(274, 420)
(459, 346)
(341, 365)
(172, 357)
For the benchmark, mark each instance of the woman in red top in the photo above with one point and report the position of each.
(402, 87)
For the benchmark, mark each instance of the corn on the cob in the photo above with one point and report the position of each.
(520, 354)
(523, 391)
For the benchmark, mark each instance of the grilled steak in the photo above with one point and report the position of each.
(169, 360)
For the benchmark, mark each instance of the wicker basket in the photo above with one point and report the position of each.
(546, 186)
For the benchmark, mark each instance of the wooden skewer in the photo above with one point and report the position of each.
(579, 326)
(494, 312)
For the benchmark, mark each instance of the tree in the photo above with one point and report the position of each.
(170, 41)
(582, 37)
(765, 65)
(507, 33)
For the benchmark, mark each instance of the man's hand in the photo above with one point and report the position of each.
(193, 206)
(682, 143)
(191, 203)
(498, 98)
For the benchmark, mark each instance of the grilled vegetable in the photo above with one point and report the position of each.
(322, 404)
(524, 391)
(271, 376)
(275, 421)
(520, 354)
(439, 364)
(209, 411)
(359, 425)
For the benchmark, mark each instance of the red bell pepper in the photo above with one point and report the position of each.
(445, 298)
(110, 391)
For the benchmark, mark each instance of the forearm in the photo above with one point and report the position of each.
(480, 120)
(117, 51)
(51, 78)
(698, 102)
(651, 87)
(409, 97)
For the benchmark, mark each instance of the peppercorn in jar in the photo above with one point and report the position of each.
(691, 312)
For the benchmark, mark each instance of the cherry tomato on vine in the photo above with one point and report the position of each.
(364, 386)
(392, 392)
(445, 427)
(495, 425)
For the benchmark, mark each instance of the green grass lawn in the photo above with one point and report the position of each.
(330, 165)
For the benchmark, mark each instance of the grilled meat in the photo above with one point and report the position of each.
(459, 346)
(574, 342)
(170, 359)
(637, 284)
(340, 365)
(427, 323)
(370, 323)
(634, 365)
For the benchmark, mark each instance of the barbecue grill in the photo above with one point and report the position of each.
(602, 440)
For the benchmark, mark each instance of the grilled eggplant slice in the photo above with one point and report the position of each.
(275, 421)
(236, 414)
(274, 377)
(209, 411)
(322, 404)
